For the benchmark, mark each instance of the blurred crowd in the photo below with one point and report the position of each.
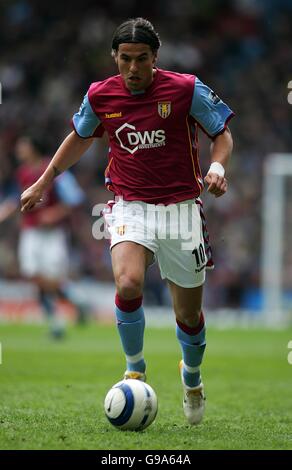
(49, 55)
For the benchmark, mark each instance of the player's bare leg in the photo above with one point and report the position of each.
(130, 261)
(50, 291)
(187, 303)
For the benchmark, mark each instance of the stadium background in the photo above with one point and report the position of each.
(51, 393)
(49, 56)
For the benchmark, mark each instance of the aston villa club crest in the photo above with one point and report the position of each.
(164, 108)
(121, 230)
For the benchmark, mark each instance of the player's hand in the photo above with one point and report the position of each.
(30, 197)
(217, 184)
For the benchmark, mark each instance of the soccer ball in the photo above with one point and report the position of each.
(131, 405)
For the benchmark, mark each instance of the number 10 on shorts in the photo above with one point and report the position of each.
(200, 257)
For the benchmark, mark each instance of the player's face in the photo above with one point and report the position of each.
(24, 150)
(135, 63)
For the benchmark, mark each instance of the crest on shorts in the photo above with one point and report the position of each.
(164, 108)
(121, 230)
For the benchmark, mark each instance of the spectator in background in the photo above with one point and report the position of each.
(252, 57)
(43, 248)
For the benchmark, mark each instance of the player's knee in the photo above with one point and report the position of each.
(189, 318)
(129, 287)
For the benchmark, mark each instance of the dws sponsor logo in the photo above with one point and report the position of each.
(132, 140)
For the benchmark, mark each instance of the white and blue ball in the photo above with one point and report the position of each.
(131, 405)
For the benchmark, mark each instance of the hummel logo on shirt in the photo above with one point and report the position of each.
(113, 115)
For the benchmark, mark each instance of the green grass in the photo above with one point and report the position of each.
(52, 393)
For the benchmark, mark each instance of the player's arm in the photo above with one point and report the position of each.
(11, 201)
(221, 149)
(7, 208)
(86, 125)
(69, 153)
(69, 194)
(212, 115)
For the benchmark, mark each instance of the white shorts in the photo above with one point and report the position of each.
(43, 252)
(173, 233)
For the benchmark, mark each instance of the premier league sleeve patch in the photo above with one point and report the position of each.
(213, 97)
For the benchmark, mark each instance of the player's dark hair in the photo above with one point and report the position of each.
(36, 141)
(136, 30)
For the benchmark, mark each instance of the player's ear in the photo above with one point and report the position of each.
(115, 55)
(154, 58)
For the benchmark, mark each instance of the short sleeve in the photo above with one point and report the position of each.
(211, 113)
(86, 123)
(68, 190)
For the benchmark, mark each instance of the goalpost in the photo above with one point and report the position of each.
(277, 168)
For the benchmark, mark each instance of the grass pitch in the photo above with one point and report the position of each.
(52, 392)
